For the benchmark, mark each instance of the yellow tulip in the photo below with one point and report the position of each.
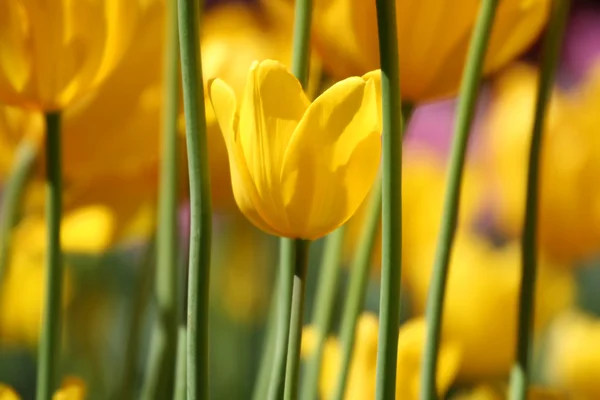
(55, 52)
(361, 379)
(499, 392)
(481, 303)
(569, 208)
(433, 37)
(298, 169)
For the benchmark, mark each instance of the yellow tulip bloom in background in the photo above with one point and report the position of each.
(72, 388)
(55, 52)
(433, 36)
(573, 358)
(87, 230)
(361, 378)
(569, 207)
(482, 298)
(298, 169)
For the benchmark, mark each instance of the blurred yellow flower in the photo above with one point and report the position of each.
(361, 380)
(481, 303)
(56, 52)
(6, 393)
(21, 294)
(569, 208)
(499, 392)
(298, 169)
(233, 37)
(423, 186)
(573, 358)
(72, 388)
(433, 36)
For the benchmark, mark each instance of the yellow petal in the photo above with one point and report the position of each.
(7, 393)
(273, 105)
(244, 189)
(332, 158)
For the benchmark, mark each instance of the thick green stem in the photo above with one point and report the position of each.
(296, 318)
(12, 197)
(519, 381)
(359, 274)
(163, 351)
(287, 255)
(465, 112)
(49, 350)
(301, 50)
(391, 208)
(329, 273)
(200, 206)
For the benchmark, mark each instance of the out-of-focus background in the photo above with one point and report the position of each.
(111, 153)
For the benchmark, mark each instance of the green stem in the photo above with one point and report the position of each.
(323, 308)
(163, 351)
(296, 319)
(355, 298)
(391, 208)
(142, 292)
(359, 274)
(180, 370)
(519, 381)
(301, 50)
(200, 207)
(49, 350)
(465, 112)
(12, 197)
(287, 255)
(261, 387)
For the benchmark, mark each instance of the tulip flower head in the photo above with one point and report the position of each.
(299, 169)
(53, 52)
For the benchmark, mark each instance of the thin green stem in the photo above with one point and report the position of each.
(359, 273)
(261, 387)
(355, 298)
(322, 313)
(181, 368)
(301, 50)
(287, 255)
(465, 112)
(12, 196)
(200, 206)
(519, 381)
(391, 208)
(49, 350)
(296, 319)
(162, 356)
(141, 295)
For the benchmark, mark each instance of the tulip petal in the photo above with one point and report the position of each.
(273, 105)
(244, 189)
(332, 159)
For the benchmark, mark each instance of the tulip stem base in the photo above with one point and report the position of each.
(296, 319)
(464, 118)
(519, 379)
(48, 353)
